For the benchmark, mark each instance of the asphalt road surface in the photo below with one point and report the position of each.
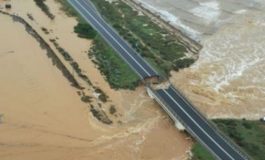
(136, 62)
(198, 126)
(194, 122)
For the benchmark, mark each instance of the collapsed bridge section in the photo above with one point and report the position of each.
(176, 105)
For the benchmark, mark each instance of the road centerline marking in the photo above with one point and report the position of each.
(197, 124)
(112, 38)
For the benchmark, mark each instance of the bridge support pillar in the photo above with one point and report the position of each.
(150, 93)
(179, 126)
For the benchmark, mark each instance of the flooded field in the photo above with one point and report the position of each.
(41, 114)
(228, 80)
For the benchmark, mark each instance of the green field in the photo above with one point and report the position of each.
(249, 135)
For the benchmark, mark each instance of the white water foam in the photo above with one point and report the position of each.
(236, 54)
(209, 11)
(234, 71)
(174, 20)
(177, 22)
(241, 11)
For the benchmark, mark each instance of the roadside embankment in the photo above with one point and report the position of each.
(189, 43)
(249, 135)
(158, 46)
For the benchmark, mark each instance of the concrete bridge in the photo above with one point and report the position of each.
(187, 117)
(172, 101)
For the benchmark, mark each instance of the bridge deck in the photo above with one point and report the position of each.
(198, 126)
(193, 121)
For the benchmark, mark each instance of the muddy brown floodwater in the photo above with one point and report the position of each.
(42, 116)
(228, 80)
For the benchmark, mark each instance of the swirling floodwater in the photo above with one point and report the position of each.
(228, 80)
(41, 114)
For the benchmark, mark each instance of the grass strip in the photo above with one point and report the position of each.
(249, 135)
(145, 36)
(117, 72)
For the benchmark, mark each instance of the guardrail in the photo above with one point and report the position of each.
(175, 118)
(160, 100)
(212, 125)
(170, 112)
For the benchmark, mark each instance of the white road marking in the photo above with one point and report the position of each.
(112, 38)
(201, 116)
(86, 2)
(197, 124)
(148, 74)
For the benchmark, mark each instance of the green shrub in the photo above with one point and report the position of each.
(41, 4)
(112, 110)
(249, 135)
(117, 72)
(146, 37)
(84, 30)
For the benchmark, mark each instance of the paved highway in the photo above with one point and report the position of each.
(198, 126)
(136, 62)
(194, 122)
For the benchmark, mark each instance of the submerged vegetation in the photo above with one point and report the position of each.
(67, 57)
(249, 135)
(41, 4)
(117, 72)
(68, 9)
(100, 115)
(160, 48)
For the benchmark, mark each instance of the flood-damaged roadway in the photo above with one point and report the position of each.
(172, 101)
